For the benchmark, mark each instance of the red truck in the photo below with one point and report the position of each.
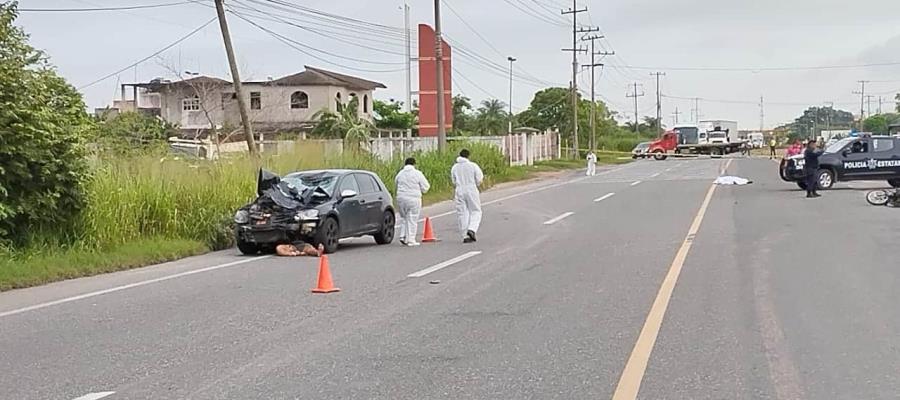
(686, 139)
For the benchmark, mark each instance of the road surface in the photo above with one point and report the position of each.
(644, 281)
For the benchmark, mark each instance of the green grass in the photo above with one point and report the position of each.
(33, 267)
(150, 209)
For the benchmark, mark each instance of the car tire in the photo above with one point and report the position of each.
(801, 184)
(894, 183)
(385, 234)
(878, 197)
(824, 179)
(659, 155)
(247, 248)
(328, 235)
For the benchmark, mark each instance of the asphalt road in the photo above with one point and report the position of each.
(641, 282)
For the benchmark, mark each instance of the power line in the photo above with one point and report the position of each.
(138, 7)
(171, 45)
(761, 69)
(539, 17)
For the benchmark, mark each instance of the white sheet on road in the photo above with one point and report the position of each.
(732, 180)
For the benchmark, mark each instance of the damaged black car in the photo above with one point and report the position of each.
(316, 207)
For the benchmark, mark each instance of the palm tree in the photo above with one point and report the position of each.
(491, 118)
(345, 125)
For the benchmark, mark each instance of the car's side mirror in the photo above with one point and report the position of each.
(347, 193)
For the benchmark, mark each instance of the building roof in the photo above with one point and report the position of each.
(320, 77)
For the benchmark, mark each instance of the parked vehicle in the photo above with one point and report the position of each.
(686, 139)
(850, 159)
(757, 140)
(717, 131)
(640, 151)
(316, 207)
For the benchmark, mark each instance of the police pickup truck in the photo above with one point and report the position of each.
(850, 159)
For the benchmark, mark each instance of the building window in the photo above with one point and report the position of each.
(337, 103)
(299, 100)
(190, 104)
(366, 103)
(255, 101)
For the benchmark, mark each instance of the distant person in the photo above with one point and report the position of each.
(466, 176)
(772, 144)
(811, 168)
(411, 184)
(591, 164)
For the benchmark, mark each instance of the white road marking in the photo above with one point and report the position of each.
(604, 197)
(95, 396)
(128, 286)
(668, 169)
(559, 218)
(635, 183)
(445, 264)
(655, 175)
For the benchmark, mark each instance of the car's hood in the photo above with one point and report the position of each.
(265, 181)
(270, 186)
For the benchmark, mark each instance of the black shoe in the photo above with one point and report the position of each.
(471, 235)
(468, 240)
(810, 196)
(816, 194)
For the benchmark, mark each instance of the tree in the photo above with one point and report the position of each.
(816, 119)
(43, 125)
(552, 108)
(131, 131)
(491, 118)
(877, 123)
(897, 97)
(462, 119)
(345, 125)
(388, 115)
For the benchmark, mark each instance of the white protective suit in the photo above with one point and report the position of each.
(411, 183)
(591, 164)
(466, 177)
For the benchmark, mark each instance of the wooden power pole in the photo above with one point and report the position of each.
(235, 75)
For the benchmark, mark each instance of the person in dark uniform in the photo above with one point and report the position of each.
(811, 167)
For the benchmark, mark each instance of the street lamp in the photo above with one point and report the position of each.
(511, 61)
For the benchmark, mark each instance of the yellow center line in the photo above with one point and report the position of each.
(633, 374)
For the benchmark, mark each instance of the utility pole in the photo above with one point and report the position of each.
(439, 68)
(658, 104)
(575, 50)
(762, 115)
(635, 95)
(408, 61)
(675, 115)
(880, 103)
(869, 98)
(236, 77)
(593, 65)
(695, 112)
(511, 61)
(862, 100)
(828, 112)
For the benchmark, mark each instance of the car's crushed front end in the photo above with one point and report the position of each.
(280, 214)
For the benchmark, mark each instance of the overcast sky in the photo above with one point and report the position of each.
(667, 35)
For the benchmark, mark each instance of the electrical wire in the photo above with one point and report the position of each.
(537, 16)
(120, 8)
(762, 69)
(158, 52)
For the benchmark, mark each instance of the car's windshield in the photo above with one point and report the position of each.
(325, 181)
(840, 144)
(642, 145)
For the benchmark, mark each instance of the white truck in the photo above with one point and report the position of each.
(757, 140)
(718, 131)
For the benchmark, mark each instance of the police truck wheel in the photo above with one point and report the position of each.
(894, 183)
(825, 179)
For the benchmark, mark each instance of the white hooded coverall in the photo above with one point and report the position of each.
(411, 183)
(466, 177)
(591, 164)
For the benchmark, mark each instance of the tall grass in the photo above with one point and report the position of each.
(136, 198)
(621, 141)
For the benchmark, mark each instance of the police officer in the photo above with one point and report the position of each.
(811, 168)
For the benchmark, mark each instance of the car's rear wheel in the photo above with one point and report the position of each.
(825, 179)
(386, 234)
(247, 248)
(894, 183)
(328, 235)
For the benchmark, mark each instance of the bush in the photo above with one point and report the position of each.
(42, 127)
(131, 132)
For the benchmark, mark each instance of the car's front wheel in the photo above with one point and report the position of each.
(247, 248)
(825, 179)
(659, 155)
(385, 235)
(328, 235)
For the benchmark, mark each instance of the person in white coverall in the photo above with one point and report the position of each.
(591, 164)
(466, 177)
(411, 183)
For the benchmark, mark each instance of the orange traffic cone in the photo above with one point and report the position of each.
(326, 285)
(429, 233)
